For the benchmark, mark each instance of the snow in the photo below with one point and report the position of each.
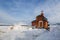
(27, 33)
(54, 34)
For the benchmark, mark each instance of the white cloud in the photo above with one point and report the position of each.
(51, 10)
(6, 17)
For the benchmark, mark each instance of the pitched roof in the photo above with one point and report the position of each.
(44, 18)
(34, 21)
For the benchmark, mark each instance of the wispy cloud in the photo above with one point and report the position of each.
(26, 10)
(6, 18)
(51, 10)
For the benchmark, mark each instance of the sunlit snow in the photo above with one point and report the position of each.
(19, 32)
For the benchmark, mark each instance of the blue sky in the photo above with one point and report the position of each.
(14, 11)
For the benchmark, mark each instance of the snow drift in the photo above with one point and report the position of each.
(27, 33)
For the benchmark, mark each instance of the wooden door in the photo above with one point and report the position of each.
(40, 24)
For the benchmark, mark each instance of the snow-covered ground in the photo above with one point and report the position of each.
(27, 33)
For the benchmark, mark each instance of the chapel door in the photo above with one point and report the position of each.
(40, 24)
